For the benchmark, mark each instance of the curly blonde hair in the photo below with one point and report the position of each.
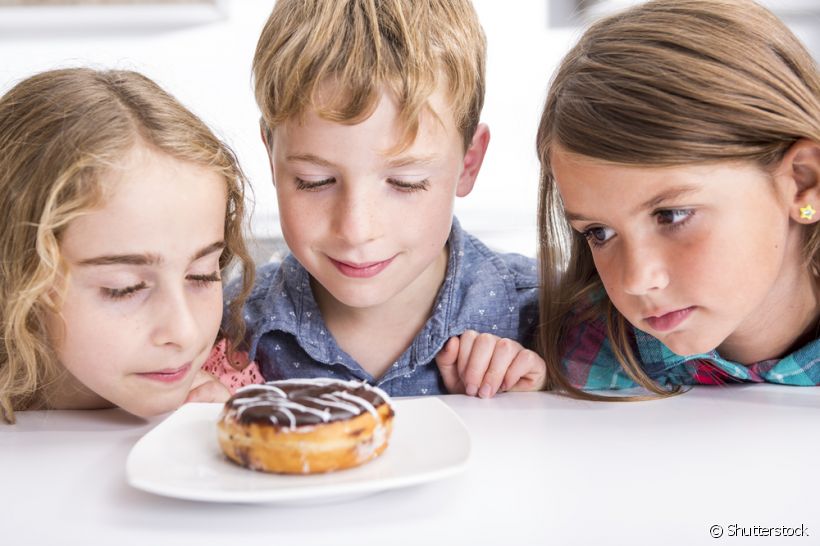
(59, 130)
(665, 83)
(364, 46)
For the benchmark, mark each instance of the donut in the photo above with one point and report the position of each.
(305, 426)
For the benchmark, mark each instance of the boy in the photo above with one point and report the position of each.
(370, 116)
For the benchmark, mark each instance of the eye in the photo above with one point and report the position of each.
(313, 185)
(598, 235)
(408, 186)
(673, 217)
(205, 280)
(123, 293)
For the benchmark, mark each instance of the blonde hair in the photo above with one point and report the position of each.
(665, 83)
(363, 47)
(59, 130)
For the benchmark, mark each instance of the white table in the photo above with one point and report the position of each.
(544, 469)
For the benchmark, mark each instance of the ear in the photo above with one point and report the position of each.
(801, 169)
(267, 139)
(473, 158)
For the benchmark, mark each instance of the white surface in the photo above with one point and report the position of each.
(543, 470)
(181, 458)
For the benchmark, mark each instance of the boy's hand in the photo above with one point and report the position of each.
(484, 364)
(207, 388)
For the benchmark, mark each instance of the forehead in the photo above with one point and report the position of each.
(383, 131)
(592, 187)
(153, 202)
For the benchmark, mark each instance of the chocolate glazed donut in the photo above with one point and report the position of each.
(305, 426)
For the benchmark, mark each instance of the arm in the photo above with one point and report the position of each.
(484, 364)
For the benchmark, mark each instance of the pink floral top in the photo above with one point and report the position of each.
(235, 373)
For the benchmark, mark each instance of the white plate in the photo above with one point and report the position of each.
(181, 458)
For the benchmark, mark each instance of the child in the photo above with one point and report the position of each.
(680, 144)
(122, 212)
(370, 116)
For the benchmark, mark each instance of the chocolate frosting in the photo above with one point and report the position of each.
(299, 402)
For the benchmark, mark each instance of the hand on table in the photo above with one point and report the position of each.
(484, 364)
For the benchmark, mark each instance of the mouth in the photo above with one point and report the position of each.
(168, 375)
(362, 270)
(668, 321)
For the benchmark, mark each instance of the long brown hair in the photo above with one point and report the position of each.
(59, 130)
(665, 83)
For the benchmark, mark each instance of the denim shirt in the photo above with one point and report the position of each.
(482, 290)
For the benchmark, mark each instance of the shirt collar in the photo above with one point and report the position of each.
(288, 305)
(801, 367)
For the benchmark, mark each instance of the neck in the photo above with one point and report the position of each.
(376, 336)
(786, 320)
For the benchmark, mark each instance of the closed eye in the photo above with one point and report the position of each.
(205, 280)
(123, 293)
(405, 186)
(313, 185)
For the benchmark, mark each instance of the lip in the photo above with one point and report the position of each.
(168, 375)
(363, 270)
(670, 320)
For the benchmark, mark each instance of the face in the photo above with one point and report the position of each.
(693, 255)
(143, 298)
(368, 222)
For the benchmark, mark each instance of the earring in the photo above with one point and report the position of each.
(807, 212)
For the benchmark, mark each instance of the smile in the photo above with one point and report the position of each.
(169, 375)
(669, 321)
(361, 270)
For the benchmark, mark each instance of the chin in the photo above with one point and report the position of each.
(158, 407)
(687, 345)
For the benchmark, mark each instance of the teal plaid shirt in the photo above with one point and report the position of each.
(590, 364)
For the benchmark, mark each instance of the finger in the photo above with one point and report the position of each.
(446, 360)
(465, 340)
(503, 356)
(212, 391)
(478, 362)
(528, 372)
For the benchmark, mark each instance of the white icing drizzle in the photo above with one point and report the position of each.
(361, 401)
(277, 399)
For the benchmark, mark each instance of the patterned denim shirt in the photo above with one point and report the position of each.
(482, 290)
(590, 363)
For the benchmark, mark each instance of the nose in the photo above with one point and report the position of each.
(644, 269)
(356, 218)
(175, 322)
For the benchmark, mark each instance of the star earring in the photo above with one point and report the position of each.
(807, 212)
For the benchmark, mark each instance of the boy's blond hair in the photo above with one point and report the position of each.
(60, 131)
(363, 47)
(665, 83)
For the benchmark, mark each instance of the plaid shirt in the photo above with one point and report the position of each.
(590, 364)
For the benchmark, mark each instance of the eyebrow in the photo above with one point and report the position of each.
(412, 160)
(668, 194)
(392, 164)
(148, 258)
(310, 158)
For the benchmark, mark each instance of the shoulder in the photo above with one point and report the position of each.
(479, 259)
(588, 358)
(232, 368)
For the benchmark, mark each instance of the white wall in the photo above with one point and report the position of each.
(207, 66)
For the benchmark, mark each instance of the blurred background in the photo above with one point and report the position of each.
(201, 51)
